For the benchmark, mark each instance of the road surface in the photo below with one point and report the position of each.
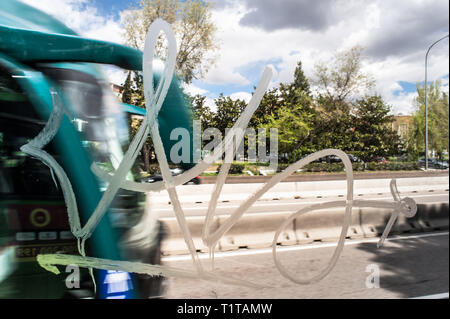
(409, 266)
(165, 210)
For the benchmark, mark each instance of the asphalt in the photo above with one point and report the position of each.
(409, 266)
(291, 205)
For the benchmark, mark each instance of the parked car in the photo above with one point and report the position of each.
(355, 159)
(337, 159)
(333, 159)
(328, 159)
(175, 172)
(440, 164)
(434, 163)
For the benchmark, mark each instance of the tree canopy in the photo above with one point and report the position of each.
(438, 113)
(193, 27)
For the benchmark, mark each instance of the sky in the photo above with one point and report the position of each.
(253, 34)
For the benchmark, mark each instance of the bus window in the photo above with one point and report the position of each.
(33, 216)
(98, 117)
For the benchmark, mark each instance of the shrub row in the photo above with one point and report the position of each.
(235, 168)
(358, 167)
(393, 166)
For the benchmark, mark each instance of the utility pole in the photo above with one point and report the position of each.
(426, 106)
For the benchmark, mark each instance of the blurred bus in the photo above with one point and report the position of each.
(40, 55)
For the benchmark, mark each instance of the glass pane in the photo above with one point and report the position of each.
(33, 216)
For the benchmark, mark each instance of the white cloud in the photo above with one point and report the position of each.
(395, 34)
(193, 90)
(209, 102)
(83, 17)
(395, 53)
(244, 96)
(224, 75)
(402, 103)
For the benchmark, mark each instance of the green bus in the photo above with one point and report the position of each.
(41, 58)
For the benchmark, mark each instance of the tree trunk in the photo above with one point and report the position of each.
(146, 151)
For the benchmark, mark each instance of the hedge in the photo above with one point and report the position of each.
(357, 167)
(238, 168)
(234, 168)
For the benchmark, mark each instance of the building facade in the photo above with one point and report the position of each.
(401, 125)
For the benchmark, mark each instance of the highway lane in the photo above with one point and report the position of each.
(409, 266)
(291, 205)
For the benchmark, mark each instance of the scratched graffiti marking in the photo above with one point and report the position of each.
(154, 100)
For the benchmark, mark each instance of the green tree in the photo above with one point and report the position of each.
(228, 112)
(373, 134)
(138, 99)
(297, 92)
(147, 148)
(300, 103)
(137, 96)
(300, 80)
(289, 110)
(195, 34)
(127, 90)
(438, 115)
(201, 111)
(270, 103)
(193, 27)
(339, 82)
(293, 122)
(341, 79)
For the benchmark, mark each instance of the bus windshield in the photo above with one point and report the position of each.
(97, 116)
(19, 123)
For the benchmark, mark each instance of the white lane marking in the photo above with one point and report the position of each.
(283, 204)
(298, 247)
(435, 296)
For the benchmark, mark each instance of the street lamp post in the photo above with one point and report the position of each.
(426, 106)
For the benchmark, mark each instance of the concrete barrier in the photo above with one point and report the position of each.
(373, 221)
(289, 190)
(328, 176)
(175, 243)
(434, 216)
(258, 230)
(326, 225)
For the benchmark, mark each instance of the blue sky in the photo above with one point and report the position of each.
(258, 33)
(113, 7)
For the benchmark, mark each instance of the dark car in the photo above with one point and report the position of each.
(333, 159)
(434, 163)
(337, 159)
(355, 159)
(328, 159)
(441, 164)
(175, 172)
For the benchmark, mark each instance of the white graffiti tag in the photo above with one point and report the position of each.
(154, 100)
